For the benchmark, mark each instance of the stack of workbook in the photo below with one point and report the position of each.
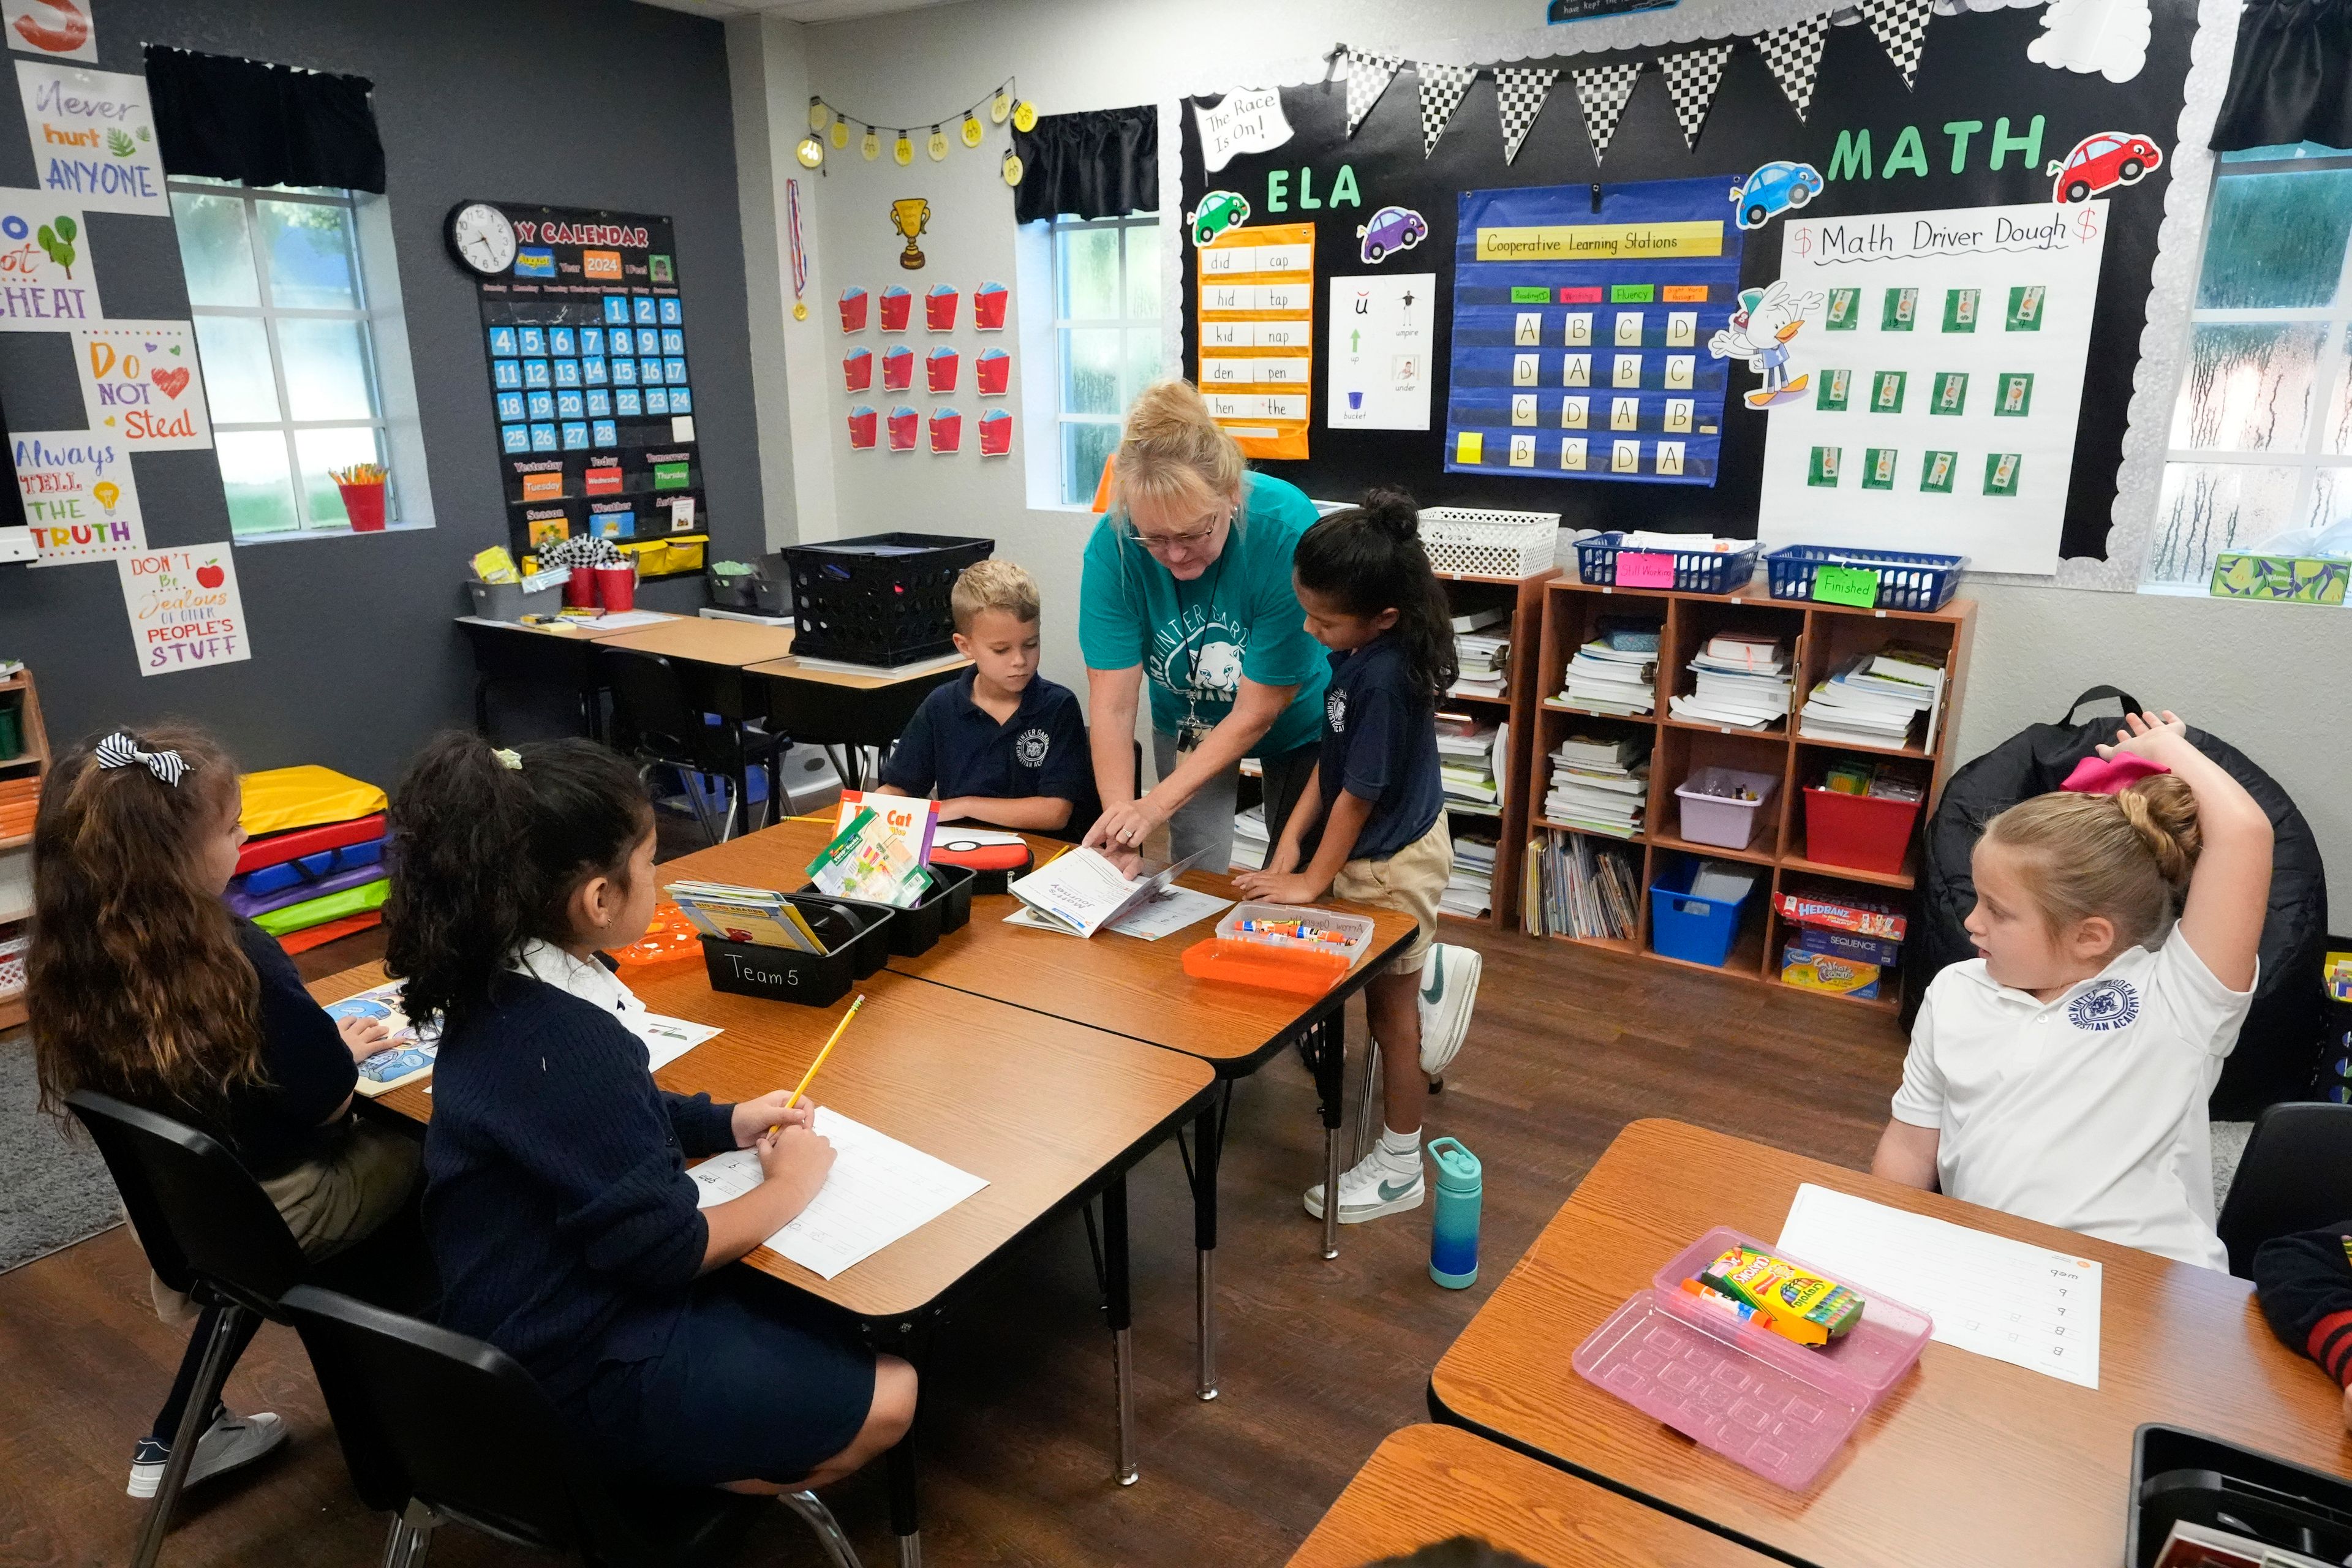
(1578, 888)
(880, 847)
(1485, 657)
(1250, 840)
(759, 916)
(1873, 700)
(1471, 889)
(1740, 680)
(1600, 783)
(1465, 763)
(1614, 673)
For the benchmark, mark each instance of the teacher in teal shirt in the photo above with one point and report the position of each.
(1187, 587)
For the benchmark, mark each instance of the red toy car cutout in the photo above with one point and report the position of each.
(2101, 162)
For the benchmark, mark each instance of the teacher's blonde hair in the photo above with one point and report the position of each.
(1172, 450)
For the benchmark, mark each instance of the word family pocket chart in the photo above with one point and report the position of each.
(1256, 322)
(1580, 331)
(1946, 351)
(594, 407)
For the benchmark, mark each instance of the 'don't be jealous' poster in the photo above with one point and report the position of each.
(184, 609)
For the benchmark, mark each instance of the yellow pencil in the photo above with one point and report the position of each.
(837, 1030)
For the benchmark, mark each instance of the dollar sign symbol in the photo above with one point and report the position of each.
(2086, 228)
(1804, 242)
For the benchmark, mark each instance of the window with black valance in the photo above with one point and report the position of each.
(221, 118)
(1101, 163)
(2291, 79)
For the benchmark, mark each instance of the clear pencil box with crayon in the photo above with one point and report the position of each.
(1298, 928)
(1780, 1408)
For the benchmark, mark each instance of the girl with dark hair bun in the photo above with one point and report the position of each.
(1370, 597)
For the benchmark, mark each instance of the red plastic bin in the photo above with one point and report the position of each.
(1857, 830)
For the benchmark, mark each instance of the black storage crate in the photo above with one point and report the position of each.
(764, 592)
(917, 929)
(881, 599)
(2177, 1474)
(857, 934)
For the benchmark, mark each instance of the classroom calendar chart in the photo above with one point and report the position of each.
(1580, 331)
(1256, 322)
(1946, 351)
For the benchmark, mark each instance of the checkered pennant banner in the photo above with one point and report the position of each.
(1519, 93)
(1368, 76)
(1442, 88)
(1691, 81)
(1901, 28)
(1794, 56)
(1603, 91)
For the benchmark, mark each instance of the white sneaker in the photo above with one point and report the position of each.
(230, 1442)
(1375, 1187)
(1449, 990)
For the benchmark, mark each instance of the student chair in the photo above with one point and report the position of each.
(2296, 1175)
(441, 1429)
(663, 724)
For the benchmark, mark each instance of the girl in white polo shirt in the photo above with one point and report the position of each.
(2062, 1074)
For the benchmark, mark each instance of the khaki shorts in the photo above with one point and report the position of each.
(1409, 882)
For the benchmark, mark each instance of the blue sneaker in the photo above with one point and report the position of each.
(231, 1442)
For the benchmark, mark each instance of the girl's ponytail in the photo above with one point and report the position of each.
(1369, 559)
(2162, 810)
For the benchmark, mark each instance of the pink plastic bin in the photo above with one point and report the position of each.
(1715, 818)
(1778, 1407)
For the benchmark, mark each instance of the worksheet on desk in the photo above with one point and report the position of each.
(2008, 1300)
(877, 1190)
(666, 1039)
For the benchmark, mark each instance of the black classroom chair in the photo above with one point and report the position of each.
(438, 1428)
(2296, 1175)
(657, 718)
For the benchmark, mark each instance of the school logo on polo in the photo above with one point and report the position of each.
(1335, 710)
(1029, 748)
(2108, 1004)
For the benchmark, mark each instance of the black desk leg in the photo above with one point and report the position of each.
(1117, 1299)
(909, 1339)
(1208, 1149)
(1327, 1054)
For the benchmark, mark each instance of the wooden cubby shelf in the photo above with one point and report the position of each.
(18, 696)
(1823, 638)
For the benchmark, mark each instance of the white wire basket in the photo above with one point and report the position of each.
(1475, 541)
(12, 967)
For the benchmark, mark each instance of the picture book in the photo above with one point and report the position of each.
(1080, 891)
(408, 1052)
(871, 859)
(758, 916)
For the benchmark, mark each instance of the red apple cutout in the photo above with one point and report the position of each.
(210, 576)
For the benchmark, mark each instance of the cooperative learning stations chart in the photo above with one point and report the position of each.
(1580, 331)
(585, 334)
(1946, 352)
(1257, 334)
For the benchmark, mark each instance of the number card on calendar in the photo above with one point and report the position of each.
(1555, 296)
(2008, 1300)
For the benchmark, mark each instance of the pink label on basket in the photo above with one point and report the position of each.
(1645, 569)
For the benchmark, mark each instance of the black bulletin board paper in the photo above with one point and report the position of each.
(590, 381)
(1974, 69)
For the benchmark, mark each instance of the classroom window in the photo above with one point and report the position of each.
(2261, 438)
(1107, 336)
(295, 304)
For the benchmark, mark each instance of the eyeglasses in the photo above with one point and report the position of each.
(1162, 544)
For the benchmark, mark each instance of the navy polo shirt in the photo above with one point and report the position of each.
(1379, 744)
(952, 745)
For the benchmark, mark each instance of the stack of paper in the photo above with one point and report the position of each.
(1599, 782)
(1471, 889)
(1873, 700)
(1578, 888)
(1465, 763)
(1485, 664)
(1250, 840)
(1741, 681)
(1606, 679)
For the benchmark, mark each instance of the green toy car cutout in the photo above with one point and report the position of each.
(1219, 211)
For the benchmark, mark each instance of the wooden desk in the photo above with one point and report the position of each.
(1969, 1461)
(738, 644)
(1428, 1484)
(837, 708)
(561, 655)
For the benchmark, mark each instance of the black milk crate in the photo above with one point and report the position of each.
(881, 599)
(857, 934)
(2177, 1474)
(915, 929)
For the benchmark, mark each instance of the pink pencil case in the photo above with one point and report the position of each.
(1771, 1403)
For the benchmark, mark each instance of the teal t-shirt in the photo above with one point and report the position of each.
(1196, 640)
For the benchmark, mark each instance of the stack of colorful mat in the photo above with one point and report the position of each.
(312, 866)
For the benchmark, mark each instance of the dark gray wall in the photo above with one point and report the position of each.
(592, 103)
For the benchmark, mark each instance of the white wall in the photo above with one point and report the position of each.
(2270, 679)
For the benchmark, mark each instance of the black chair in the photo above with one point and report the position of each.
(2296, 1175)
(661, 721)
(438, 1428)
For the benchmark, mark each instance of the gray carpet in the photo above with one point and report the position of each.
(2229, 1148)
(58, 1189)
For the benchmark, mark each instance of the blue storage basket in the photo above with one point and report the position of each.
(1696, 571)
(1906, 580)
(1697, 931)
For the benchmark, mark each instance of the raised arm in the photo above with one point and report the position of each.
(2229, 890)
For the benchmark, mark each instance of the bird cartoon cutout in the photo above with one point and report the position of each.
(1761, 332)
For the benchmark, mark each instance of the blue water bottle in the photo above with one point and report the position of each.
(1454, 1229)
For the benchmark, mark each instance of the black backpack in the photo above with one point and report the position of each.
(2278, 1046)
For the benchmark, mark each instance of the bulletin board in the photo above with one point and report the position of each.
(591, 385)
(1930, 148)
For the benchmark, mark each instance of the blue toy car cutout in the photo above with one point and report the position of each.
(1392, 230)
(1774, 189)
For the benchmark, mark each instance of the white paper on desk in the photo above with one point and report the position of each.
(2008, 1300)
(1168, 913)
(627, 620)
(877, 1190)
(666, 1039)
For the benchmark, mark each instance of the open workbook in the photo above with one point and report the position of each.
(1080, 891)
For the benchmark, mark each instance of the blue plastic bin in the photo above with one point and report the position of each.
(1696, 571)
(1907, 580)
(1697, 931)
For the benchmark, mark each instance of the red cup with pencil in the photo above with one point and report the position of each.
(362, 487)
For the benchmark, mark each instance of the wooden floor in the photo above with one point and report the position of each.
(1322, 1359)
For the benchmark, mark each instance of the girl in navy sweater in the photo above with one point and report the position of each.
(557, 1203)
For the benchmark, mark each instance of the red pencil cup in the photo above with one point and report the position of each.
(857, 369)
(853, 310)
(898, 369)
(898, 305)
(364, 504)
(993, 370)
(939, 369)
(902, 428)
(988, 304)
(939, 308)
(862, 420)
(616, 586)
(947, 430)
(995, 433)
(580, 589)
